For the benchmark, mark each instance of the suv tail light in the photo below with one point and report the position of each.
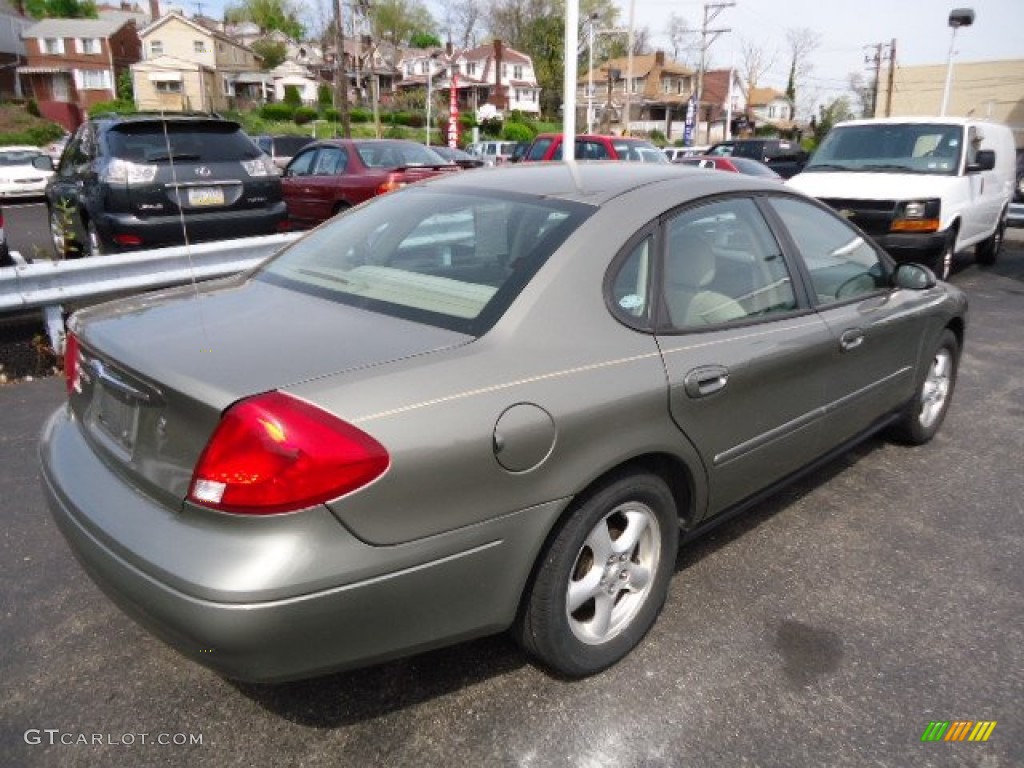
(118, 171)
(260, 166)
(275, 453)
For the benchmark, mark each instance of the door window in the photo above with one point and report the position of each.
(722, 265)
(841, 264)
(302, 164)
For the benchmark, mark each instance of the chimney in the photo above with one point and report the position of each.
(659, 58)
(498, 99)
(154, 9)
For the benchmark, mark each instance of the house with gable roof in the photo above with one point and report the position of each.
(75, 63)
(188, 66)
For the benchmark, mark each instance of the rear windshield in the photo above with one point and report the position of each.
(160, 142)
(456, 260)
(392, 154)
(18, 156)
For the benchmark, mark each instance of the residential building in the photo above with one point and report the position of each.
(187, 66)
(721, 103)
(658, 89)
(993, 90)
(487, 74)
(766, 106)
(75, 63)
(13, 24)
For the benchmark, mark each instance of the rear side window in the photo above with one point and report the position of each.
(452, 259)
(161, 142)
(392, 154)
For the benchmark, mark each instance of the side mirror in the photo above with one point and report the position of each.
(914, 277)
(43, 163)
(984, 161)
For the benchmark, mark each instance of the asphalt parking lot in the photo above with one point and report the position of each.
(827, 627)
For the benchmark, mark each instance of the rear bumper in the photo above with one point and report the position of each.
(286, 596)
(1015, 217)
(156, 231)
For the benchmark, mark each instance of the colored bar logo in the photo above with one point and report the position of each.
(958, 730)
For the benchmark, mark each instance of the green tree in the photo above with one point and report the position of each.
(61, 9)
(829, 114)
(397, 21)
(269, 15)
(424, 40)
(272, 51)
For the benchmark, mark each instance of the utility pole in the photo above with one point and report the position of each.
(892, 78)
(883, 53)
(711, 12)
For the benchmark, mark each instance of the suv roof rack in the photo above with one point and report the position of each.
(152, 113)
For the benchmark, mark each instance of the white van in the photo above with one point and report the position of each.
(924, 188)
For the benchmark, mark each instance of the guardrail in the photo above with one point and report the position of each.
(49, 285)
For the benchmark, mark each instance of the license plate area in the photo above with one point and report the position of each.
(116, 416)
(200, 197)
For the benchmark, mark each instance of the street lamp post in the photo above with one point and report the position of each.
(590, 76)
(960, 17)
(430, 91)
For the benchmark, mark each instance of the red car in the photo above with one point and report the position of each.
(327, 177)
(548, 146)
(732, 164)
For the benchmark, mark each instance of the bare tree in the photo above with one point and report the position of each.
(756, 61)
(680, 37)
(802, 42)
(464, 16)
(863, 93)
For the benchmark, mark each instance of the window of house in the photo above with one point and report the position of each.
(199, 46)
(504, 70)
(53, 46)
(471, 68)
(424, 67)
(771, 110)
(226, 84)
(172, 86)
(636, 85)
(156, 48)
(88, 45)
(517, 71)
(666, 85)
(95, 79)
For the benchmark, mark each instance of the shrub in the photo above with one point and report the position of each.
(359, 115)
(277, 112)
(657, 137)
(324, 95)
(517, 132)
(37, 135)
(292, 96)
(332, 114)
(116, 106)
(304, 115)
(32, 107)
(492, 127)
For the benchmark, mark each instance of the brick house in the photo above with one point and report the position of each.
(75, 63)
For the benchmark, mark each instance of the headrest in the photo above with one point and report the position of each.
(690, 262)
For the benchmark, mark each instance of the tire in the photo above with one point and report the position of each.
(601, 580)
(944, 262)
(986, 252)
(924, 414)
(62, 235)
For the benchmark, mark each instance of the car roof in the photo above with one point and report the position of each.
(597, 182)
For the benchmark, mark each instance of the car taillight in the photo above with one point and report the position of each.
(118, 171)
(392, 183)
(274, 453)
(71, 364)
(127, 240)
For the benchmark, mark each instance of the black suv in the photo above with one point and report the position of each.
(129, 182)
(784, 157)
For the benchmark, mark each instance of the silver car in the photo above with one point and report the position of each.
(460, 409)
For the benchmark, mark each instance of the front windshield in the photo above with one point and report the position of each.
(927, 148)
(451, 259)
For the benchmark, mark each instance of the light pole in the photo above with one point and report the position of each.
(430, 90)
(960, 17)
(590, 76)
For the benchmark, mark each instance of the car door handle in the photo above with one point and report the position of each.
(706, 380)
(851, 339)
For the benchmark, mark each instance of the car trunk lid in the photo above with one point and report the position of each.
(156, 372)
